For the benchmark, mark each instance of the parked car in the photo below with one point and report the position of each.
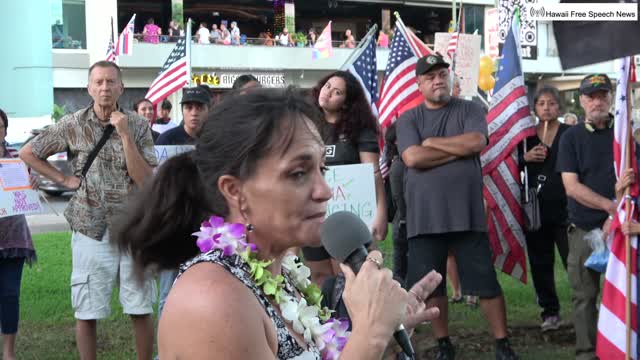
(60, 162)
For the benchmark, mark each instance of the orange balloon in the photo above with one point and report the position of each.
(486, 65)
(486, 82)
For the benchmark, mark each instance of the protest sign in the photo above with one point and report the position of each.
(491, 33)
(16, 195)
(353, 188)
(164, 152)
(467, 59)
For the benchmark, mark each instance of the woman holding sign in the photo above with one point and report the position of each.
(350, 133)
(16, 248)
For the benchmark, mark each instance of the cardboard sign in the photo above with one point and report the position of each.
(164, 152)
(16, 195)
(491, 33)
(467, 59)
(354, 190)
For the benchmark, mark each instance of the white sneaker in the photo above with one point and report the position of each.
(551, 323)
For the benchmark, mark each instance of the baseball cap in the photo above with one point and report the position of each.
(430, 62)
(595, 82)
(195, 94)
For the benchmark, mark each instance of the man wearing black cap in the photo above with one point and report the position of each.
(195, 108)
(586, 163)
(440, 142)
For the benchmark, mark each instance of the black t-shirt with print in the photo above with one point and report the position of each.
(341, 151)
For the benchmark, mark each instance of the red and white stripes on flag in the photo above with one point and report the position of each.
(509, 123)
(611, 339)
(125, 40)
(111, 52)
(172, 77)
(453, 44)
(399, 91)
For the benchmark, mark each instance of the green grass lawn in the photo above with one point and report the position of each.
(47, 323)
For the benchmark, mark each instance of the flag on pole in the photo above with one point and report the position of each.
(173, 76)
(364, 67)
(611, 339)
(125, 40)
(453, 44)
(323, 49)
(509, 123)
(399, 91)
(111, 51)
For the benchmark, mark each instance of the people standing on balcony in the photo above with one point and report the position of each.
(215, 34)
(16, 248)
(235, 33)
(349, 40)
(350, 132)
(225, 35)
(151, 32)
(312, 37)
(266, 38)
(175, 31)
(540, 158)
(144, 108)
(203, 34)
(383, 39)
(124, 163)
(163, 122)
(284, 38)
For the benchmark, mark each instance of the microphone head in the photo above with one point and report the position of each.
(342, 233)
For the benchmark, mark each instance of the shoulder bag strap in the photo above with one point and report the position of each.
(92, 156)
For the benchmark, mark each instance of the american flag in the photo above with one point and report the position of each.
(611, 340)
(111, 53)
(365, 69)
(125, 40)
(399, 89)
(173, 76)
(453, 44)
(509, 123)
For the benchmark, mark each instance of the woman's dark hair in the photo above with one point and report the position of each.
(137, 104)
(390, 138)
(150, 21)
(551, 91)
(243, 80)
(157, 224)
(356, 114)
(5, 119)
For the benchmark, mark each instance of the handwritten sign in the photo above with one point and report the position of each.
(491, 33)
(354, 190)
(16, 195)
(164, 152)
(467, 59)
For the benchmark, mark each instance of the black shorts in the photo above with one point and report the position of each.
(473, 256)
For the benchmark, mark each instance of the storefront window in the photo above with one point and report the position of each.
(474, 19)
(68, 26)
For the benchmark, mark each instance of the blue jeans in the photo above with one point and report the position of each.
(167, 277)
(10, 278)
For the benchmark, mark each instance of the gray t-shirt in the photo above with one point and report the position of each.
(447, 198)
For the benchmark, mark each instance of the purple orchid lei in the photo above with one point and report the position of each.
(305, 315)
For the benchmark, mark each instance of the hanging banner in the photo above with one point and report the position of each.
(491, 33)
(528, 28)
(467, 59)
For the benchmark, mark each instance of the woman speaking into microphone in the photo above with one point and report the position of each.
(252, 189)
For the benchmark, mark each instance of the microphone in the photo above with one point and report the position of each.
(344, 235)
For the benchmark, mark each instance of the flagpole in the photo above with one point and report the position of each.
(627, 197)
(187, 38)
(361, 46)
(455, 53)
(114, 46)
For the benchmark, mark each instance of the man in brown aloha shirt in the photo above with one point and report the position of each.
(125, 161)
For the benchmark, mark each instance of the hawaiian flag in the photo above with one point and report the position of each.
(611, 341)
(125, 40)
(509, 123)
(323, 48)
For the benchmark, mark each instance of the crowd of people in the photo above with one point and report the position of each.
(259, 161)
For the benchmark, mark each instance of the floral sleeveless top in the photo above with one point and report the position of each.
(288, 347)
